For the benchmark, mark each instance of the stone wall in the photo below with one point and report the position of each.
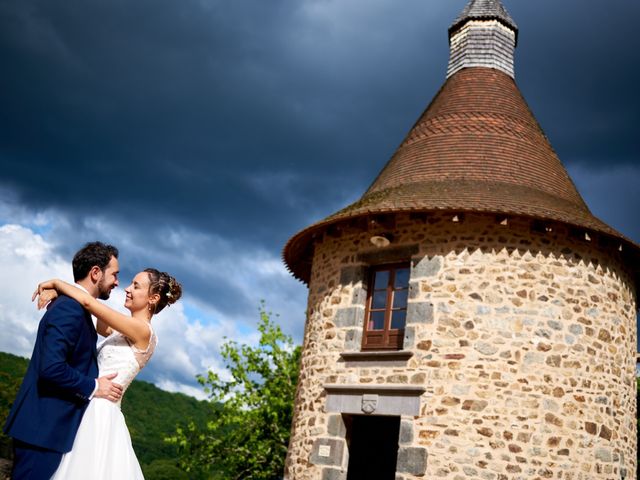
(523, 340)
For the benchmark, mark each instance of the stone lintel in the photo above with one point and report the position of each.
(374, 399)
(388, 255)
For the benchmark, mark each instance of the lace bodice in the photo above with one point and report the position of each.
(117, 355)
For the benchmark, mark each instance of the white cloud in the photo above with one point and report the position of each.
(26, 260)
(171, 386)
(13, 212)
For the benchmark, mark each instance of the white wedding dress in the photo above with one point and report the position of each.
(102, 448)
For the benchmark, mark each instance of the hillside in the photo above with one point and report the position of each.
(151, 415)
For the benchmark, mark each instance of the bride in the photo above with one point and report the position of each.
(102, 448)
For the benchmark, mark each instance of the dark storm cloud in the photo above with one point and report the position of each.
(245, 120)
(578, 67)
(216, 113)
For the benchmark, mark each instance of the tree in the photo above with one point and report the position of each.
(164, 469)
(12, 369)
(248, 433)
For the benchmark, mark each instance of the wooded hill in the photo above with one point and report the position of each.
(151, 415)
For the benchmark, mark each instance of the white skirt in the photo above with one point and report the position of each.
(102, 448)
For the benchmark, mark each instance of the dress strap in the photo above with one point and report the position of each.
(143, 356)
(152, 340)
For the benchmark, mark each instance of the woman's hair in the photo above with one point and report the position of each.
(164, 285)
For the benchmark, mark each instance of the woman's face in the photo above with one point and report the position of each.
(138, 293)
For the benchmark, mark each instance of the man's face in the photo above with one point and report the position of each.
(109, 279)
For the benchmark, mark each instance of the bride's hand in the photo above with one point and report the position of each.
(45, 292)
(45, 297)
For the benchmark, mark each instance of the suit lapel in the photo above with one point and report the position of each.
(92, 333)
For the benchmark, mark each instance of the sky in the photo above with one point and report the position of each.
(198, 136)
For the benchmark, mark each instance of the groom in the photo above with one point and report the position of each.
(62, 374)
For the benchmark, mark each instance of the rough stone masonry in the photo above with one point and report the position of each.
(523, 342)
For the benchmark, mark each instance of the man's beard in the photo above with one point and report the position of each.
(103, 291)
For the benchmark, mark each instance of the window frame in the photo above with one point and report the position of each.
(392, 339)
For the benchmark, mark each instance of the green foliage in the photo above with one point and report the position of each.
(151, 414)
(12, 369)
(247, 436)
(163, 469)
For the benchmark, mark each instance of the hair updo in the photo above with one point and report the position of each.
(165, 286)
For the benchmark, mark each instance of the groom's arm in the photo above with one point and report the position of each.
(62, 330)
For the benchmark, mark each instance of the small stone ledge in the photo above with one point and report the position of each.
(384, 358)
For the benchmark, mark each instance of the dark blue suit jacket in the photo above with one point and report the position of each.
(59, 380)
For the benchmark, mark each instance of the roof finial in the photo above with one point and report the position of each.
(483, 35)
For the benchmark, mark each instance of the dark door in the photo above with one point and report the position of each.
(373, 447)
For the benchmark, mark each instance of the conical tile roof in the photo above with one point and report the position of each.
(477, 130)
(476, 148)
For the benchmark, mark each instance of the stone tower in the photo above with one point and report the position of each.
(468, 317)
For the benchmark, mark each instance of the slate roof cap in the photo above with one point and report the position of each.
(484, 10)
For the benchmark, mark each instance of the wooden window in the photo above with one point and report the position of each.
(386, 312)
